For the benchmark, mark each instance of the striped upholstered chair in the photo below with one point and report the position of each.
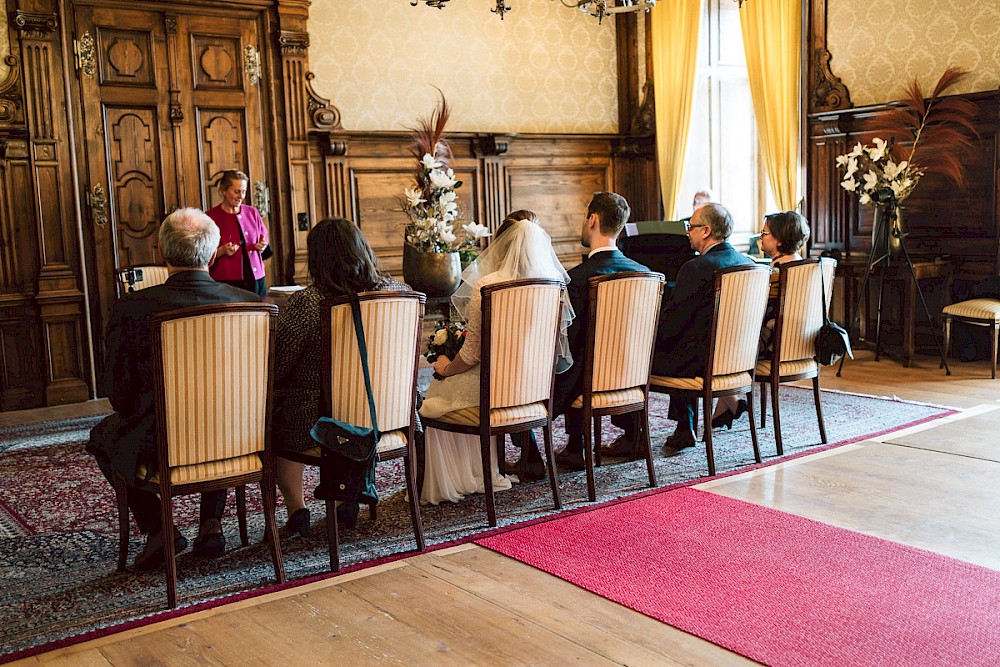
(151, 275)
(209, 370)
(740, 296)
(392, 323)
(977, 312)
(520, 323)
(624, 314)
(798, 319)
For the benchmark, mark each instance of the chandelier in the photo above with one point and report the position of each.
(596, 8)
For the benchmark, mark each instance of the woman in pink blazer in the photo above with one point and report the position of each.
(243, 243)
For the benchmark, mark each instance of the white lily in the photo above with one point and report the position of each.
(878, 152)
(841, 160)
(865, 199)
(441, 180)
(858, 150)
(430, 162)
(448, 236)
(871, 180)
(476, 230)
(413, 197)
(852, 167)
(849, 184)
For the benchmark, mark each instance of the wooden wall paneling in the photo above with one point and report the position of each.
(21, 377)
(59, 297)
(293, 46)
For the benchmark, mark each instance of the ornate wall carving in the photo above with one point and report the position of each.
(544, 68)
(878, 46)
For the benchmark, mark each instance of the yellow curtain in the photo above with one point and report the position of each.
(772, 40)
(674, 36)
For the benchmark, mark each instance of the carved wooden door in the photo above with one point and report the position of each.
(170, 101)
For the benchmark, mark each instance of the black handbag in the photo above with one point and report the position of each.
(833, 341)
(358, 443)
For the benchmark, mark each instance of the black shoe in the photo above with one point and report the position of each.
(529, 471)
(571, 460)
(347, 514)
(297, 524)
(209, 545)
(678, 441)
(623, 448)
(151, 557)
(727, 417)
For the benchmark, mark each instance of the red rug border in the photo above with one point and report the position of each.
(158, 617)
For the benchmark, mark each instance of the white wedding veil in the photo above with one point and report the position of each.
(523, 250)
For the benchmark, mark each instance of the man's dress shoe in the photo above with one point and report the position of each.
(151, 557)
(623, 448)
(571, 460)
(210, 543)
(677, 442)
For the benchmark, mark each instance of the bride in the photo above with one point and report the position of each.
(453, 462)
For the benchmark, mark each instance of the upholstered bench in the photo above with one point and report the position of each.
(978, 312)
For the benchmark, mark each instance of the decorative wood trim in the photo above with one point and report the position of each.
(826, 91)
(11, 97)
(324, 116)
(35, 25)
(293, 43)
(484, 145)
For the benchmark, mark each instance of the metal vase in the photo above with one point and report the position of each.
(436, 274)
(888, 230)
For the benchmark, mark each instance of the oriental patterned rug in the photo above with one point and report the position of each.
(58, 543)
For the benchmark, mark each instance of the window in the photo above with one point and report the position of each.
(723, 153)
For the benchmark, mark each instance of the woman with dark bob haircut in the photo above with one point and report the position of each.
(341, 262)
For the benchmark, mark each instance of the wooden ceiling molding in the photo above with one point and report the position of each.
(826, 91)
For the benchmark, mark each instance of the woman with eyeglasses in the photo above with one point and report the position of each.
(783, 236)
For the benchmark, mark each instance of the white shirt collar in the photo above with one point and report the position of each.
(606, 248)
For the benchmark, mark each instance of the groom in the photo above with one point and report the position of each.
(606, 217)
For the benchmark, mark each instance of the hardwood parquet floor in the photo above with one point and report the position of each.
(932, 487)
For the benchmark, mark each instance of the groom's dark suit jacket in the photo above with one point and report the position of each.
(569, 385)
(685, 318)
(128, 436)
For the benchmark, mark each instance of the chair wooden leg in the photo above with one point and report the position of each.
(947, 339)
(121, 499)
(588, 454)
(269, 495)
(333, 535)
(993, 353)
(763, 405)
(167, 522)
(550, 454)
(409, 467)
(707, 414)
(819, 410)
(644, 441)
(485, 443)
(777, 417)
(241, 513)
(753, 425)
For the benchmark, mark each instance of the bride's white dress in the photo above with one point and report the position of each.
(453, 464)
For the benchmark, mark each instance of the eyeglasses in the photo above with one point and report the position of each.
(764, 233)
(688, 226)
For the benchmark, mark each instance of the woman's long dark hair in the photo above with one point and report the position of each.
(340, 259)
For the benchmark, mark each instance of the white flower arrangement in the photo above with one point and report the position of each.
(432, 207)
(882, 180)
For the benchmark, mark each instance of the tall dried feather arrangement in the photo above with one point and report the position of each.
(932, 134)
(428, 134)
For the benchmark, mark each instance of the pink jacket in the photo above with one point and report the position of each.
(248, 219)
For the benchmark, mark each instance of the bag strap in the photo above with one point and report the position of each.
(359, 331)
(822, 288)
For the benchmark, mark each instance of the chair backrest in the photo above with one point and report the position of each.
(624, 312)
(392, 321)
(520, 323)
(800, 307)
(150, 275)
(740, 301)
(212, 373)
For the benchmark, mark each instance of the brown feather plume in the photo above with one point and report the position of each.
(932, 134)
(428, 135)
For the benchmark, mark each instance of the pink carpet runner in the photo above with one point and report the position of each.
(775, 587)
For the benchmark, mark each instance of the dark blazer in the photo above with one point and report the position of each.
(685, 318)
(569, 385)
(128, 437)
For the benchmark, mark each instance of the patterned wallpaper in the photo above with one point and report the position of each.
(4, 39)
(544, 68)
(878, 46)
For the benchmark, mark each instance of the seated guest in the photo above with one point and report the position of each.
(784, 234)
(685, 319)
(341, 262)
(606, 217)
(127, 439)
(701, 198)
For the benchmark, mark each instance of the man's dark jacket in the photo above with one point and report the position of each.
(128, 437)
(685, 318)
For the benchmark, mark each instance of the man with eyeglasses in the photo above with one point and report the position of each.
(685, 319)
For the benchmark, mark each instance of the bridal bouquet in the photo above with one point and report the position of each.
(432, 205)
(447, 340)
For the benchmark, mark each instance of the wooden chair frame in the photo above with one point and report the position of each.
(408, 453)
(166, 490)
(705, 393)
(976, 322)
(484, 430)
(592, 445)
(775, 378)
(121, 284)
